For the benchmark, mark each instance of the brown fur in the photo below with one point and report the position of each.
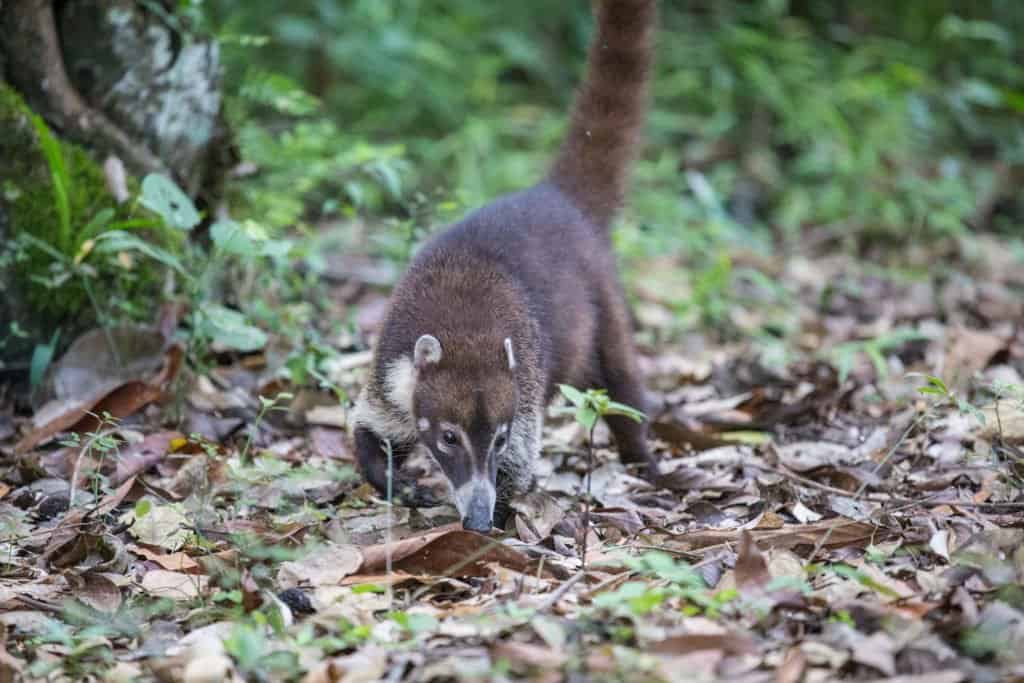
(535, 267)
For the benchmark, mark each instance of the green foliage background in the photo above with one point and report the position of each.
(874, 121)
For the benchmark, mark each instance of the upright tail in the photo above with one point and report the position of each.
(593, 164)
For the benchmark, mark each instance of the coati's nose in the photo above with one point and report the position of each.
(478, 515)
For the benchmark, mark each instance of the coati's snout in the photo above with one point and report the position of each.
(465, 420)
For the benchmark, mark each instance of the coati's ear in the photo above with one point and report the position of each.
(426, 351)
(510, 353)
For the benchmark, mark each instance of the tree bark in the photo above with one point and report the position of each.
(120, 80)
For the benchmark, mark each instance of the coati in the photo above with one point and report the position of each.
(519, 296)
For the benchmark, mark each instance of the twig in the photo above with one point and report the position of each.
(614, 578)
(864, 484)
(887, 498)
(86, 447)
(387, 531)
(560, 592)
(586, 502)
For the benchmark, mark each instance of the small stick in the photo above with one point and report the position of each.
(560, 592)
(586, 502)
(387, 533)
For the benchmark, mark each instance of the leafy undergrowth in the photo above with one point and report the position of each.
(835, 509)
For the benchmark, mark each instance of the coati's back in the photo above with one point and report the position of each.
(517, 297)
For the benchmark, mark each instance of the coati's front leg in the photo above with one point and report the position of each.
(516, 467)
(621, 377)
(373, 459)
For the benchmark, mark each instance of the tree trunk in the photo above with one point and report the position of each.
(119, 78)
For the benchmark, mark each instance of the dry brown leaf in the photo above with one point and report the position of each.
(329, 443)
(175, 562)
(11, 667)
(876, 651)
(327, 565)
(114, 498)
(1005, 424)
(533, 656)
(99, 592)
(804, 456)
(685, 438)
(447, 552)
(944, 676)
(842, 533)
(536, 515)
(792, 668)
(66, 537)
(368, 665)
(969, 351)
(700, 665)
(174, 585)
(93, 377)
(730, 643)
(50, 589)
(627, 521)
(751, 567)
(327, 416)
(139, 457)
(165, 526)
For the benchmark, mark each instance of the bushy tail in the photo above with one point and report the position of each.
(594, 161)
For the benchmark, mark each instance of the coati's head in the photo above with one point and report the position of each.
(464, 410)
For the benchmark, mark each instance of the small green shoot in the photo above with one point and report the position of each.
(945, 396)
(843, 355)
(588, 406)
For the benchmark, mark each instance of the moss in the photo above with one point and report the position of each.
(32, 294)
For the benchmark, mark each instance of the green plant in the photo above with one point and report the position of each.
(266, 405)
(673, 581)
(842, 356)
(588, 406)
(935, 387)
(62, 268)
(93, 447)
(250, 649)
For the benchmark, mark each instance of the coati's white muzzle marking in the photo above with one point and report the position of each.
(475, 492)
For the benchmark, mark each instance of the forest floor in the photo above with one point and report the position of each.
(846, 503)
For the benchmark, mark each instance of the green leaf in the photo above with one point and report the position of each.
(368, 588)
(161, 195)
(59, 176)
(574, 395)
(586, 416)
(632, 413)
(98, 224)
(142, 507)
(844, 361)
(118, 240)
(229, 329)
(874, 354)
(42, 356)
(229, 237)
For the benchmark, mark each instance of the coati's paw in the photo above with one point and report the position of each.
(502, 513)
(411, 493)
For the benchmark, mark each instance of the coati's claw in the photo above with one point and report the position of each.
(502, 513)
(411, 493)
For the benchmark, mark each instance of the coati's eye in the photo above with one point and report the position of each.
(449, 437)
(499, 442)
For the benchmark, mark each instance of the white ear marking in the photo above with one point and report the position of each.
(423, 424)
(426, 351)
(510, 353)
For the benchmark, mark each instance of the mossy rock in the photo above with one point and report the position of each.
(33, 294)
